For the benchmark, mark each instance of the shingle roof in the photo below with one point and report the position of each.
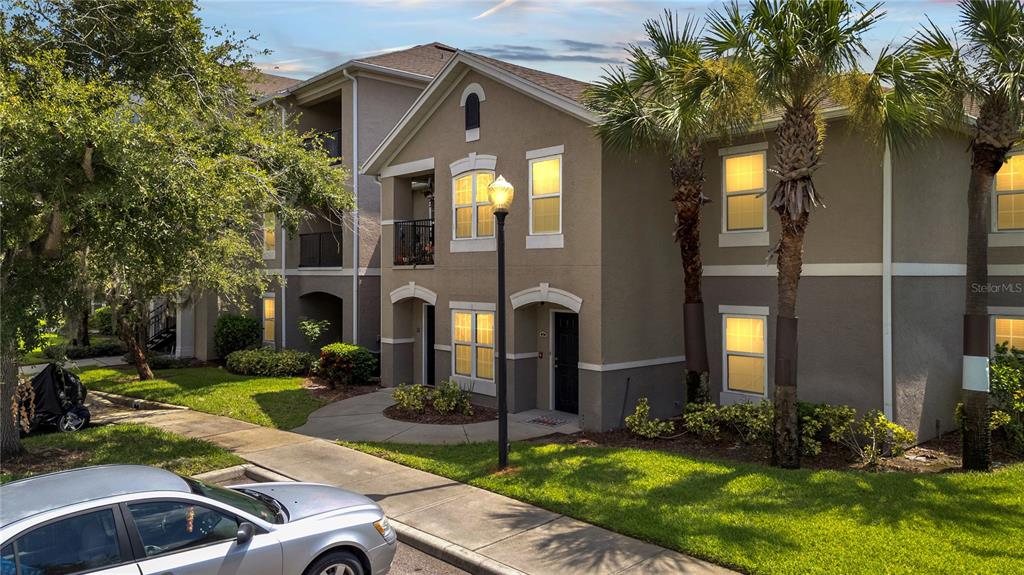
(572, 89)
(265, 84)
(425, 59)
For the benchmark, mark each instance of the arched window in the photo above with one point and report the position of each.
(472, 111)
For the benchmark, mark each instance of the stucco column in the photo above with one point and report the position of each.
(185, 332)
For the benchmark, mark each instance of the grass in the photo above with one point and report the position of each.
(755, 518)
(280, 402)
(120, 443)
(36, 356)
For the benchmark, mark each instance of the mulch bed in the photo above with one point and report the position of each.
(42, 461)
(938, 455)
(431, 415)
(320, 389)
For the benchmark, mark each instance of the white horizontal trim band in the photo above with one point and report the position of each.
(332, 271)
(396, 341)
(632, 364)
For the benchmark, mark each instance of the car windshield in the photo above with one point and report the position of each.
(258, 504)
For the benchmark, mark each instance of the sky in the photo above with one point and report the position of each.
(575, 38)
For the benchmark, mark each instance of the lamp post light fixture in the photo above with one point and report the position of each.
(500, 194)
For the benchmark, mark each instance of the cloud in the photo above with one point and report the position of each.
(495, 9)
(567, 51)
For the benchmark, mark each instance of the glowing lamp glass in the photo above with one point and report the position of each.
(500, 194)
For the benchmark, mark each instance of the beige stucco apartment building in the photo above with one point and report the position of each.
(595, 282)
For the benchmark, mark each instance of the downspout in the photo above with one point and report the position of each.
(887, 399)
(355, 212)
(284, 248)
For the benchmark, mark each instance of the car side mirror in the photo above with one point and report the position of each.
(245, 533)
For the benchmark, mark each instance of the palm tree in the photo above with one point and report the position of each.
(804, 54)
(984, 73)
(671, 99)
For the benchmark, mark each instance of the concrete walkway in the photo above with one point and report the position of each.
(76, 364)
(477, 530)
(361, 418)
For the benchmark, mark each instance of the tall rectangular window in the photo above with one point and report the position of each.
(745, 354)
(1010, 330)
(473, 344)
(269, 317)
(269, 236)
(1010, 194)
(745, 181)
(474, 215)
(546, 195)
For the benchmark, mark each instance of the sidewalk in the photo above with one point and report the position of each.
(76, 364)
(474, 529)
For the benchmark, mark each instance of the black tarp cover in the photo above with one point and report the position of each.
(53, 382)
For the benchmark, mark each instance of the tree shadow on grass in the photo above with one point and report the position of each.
(287, 408)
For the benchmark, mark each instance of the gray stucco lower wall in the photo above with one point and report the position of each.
(606, 397)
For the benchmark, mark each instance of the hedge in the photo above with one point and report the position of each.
(234, 332)
(346, 364)
(268, 362)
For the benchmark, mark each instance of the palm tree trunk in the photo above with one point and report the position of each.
(786, 439)
(687, 173)
(977, 438)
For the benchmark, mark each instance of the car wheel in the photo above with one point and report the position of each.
(336, 563)
(71, 421)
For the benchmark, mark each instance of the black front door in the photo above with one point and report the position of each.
(428, 342)
(567, 357)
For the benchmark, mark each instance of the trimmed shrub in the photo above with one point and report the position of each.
(641, 424)
(346, 364)
(702, 420)
(269, 362)
(412, 398)
(448, 397)
(751, 421)
(234, 332)
(882, 437)
(83, 351)
(103, 320)
(1007, 384)
(819, 423)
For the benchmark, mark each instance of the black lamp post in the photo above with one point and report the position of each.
(500, 194)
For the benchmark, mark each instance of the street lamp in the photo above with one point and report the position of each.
(500, 194)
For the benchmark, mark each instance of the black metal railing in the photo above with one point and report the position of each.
(330, 140)
(414, 242)
(320, 250)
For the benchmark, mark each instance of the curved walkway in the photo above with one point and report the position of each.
(361, 418)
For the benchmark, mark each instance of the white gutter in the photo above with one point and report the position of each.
(355, 212)
(887, 397)
(284, 248)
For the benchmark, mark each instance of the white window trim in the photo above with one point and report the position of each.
(752, 237)
(743, 312)
(472, 381)
(561, 189)
(269, 254)
(1013, 237)
(263, 318)
(474, 206)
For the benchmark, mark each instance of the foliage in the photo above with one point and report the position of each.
(1007, 388)
(102, 320)
(641, 423)
(448, 397)
(269, 362)
(281, 402)
(412, 398)
(702, 420)
(883, 437)
(122, 444)
(751, 421)
(822, 422)
(62, 351)
(753, 518)
(346, 364)
(233, 332)
(313, 330)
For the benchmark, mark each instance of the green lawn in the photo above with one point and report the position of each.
(36, 356)
(122, 443)
(279, 402)
(755, 518)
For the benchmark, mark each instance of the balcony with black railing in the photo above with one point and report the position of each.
(320, 250)
(414, 242)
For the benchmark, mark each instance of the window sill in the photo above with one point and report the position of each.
(473, 245)
(473, 135)
(481, 386)
(742, 239)
(729, 397)
(269, 254)
(546, 241)
(1009, 239)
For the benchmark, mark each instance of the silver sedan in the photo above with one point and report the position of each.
(137, 520)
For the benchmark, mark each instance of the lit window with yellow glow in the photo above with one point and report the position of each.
(474, 216)
(745, 180)
(546, 195)
(745, 355)
(269, 236)
(269, 318)
(1009, 198)
(1010, 331)
(473, 344)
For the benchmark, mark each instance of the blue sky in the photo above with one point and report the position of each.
(574, 38)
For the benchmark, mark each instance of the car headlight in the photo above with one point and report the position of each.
(385, 529)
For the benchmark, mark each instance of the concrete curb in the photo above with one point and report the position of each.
(135, 403)
(451, 553)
